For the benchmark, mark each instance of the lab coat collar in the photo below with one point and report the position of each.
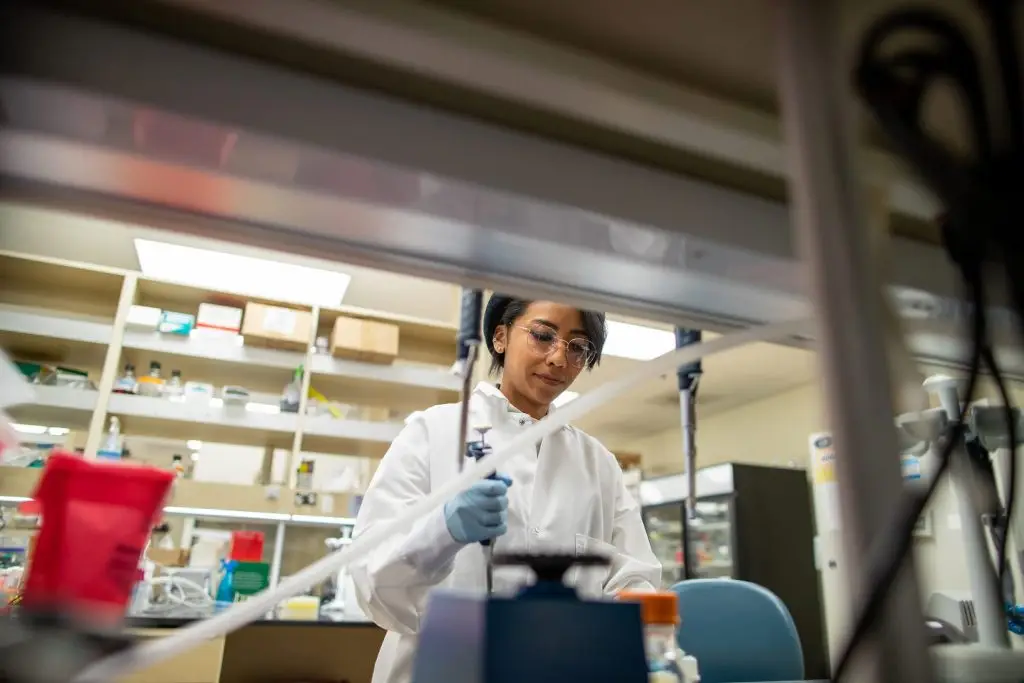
(492, 403)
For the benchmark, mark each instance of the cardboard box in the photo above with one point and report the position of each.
(217, 317)
(169, 557)
(372, 341)
(276, 327)
(628, 460)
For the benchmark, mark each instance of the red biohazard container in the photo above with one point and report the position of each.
(96, 520)
(246, 546)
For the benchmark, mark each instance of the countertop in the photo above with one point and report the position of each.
(178, 622)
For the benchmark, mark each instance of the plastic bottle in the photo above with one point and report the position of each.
(111, 448)
(666, 663)
(292, 394)
(226, 588)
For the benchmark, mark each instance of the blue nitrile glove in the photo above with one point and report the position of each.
(480, 512)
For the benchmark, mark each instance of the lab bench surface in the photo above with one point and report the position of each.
(173, 622)
(268, 650)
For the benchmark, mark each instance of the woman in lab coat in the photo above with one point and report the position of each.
(565, 495)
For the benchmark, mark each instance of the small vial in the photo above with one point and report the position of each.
(666, 663)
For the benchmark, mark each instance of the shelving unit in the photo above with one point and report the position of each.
(64, 406)
(74, 315)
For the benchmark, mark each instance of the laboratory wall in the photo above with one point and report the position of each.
(774, 431)
(770, 431)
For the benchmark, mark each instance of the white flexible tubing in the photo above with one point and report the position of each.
(156, 650)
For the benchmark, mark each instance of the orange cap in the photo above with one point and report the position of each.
(656, 607)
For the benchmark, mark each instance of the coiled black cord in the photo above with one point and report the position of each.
(980, 194)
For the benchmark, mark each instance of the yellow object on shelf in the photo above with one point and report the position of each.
(300, 608)
(331, 408)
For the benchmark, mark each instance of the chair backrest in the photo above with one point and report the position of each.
(738, 631)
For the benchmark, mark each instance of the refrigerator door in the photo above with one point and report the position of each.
(665, 529)
(713, 537)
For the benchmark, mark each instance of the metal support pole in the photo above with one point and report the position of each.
(278, 556)
(826, 197)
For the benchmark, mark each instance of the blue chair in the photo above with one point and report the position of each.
(738, 631)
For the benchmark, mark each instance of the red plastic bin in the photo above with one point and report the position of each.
(246, 546)
(96, 519)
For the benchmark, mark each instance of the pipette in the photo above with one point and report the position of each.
(689, 376)
(467, 348)
(477, 451)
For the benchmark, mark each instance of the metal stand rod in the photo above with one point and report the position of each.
(689, 427)
(688, 379)
(981, 572)
(826, 200)
(988, 605)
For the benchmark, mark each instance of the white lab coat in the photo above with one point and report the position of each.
(567, 495)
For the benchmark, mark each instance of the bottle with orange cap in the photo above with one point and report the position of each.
(666, 663)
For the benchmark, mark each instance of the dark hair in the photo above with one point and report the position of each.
(593, 325)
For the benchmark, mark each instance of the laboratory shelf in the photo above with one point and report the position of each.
(326, 434)
(18, 321)
(57, 407)
(148, 416)
(188, 496)
(54, 337)
(401, 385)
(18, 483)
(220, 360)
(215, 349)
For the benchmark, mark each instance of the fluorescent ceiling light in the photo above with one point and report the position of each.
(565, 397)
(637, 342)
(14, 499)
(29, 429)
(194, 444)
(239, 274)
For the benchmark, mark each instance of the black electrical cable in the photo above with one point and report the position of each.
(980, 195)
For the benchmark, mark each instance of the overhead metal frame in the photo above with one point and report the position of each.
(718, 258)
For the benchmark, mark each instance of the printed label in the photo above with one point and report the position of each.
(910, 466)
(280, 321)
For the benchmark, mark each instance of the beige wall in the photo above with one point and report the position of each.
(775, 431)
(769, 431)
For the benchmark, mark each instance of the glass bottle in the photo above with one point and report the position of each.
(127, 383)
(666, 663)
(152, 384)
(178, 466)
(174, 387)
